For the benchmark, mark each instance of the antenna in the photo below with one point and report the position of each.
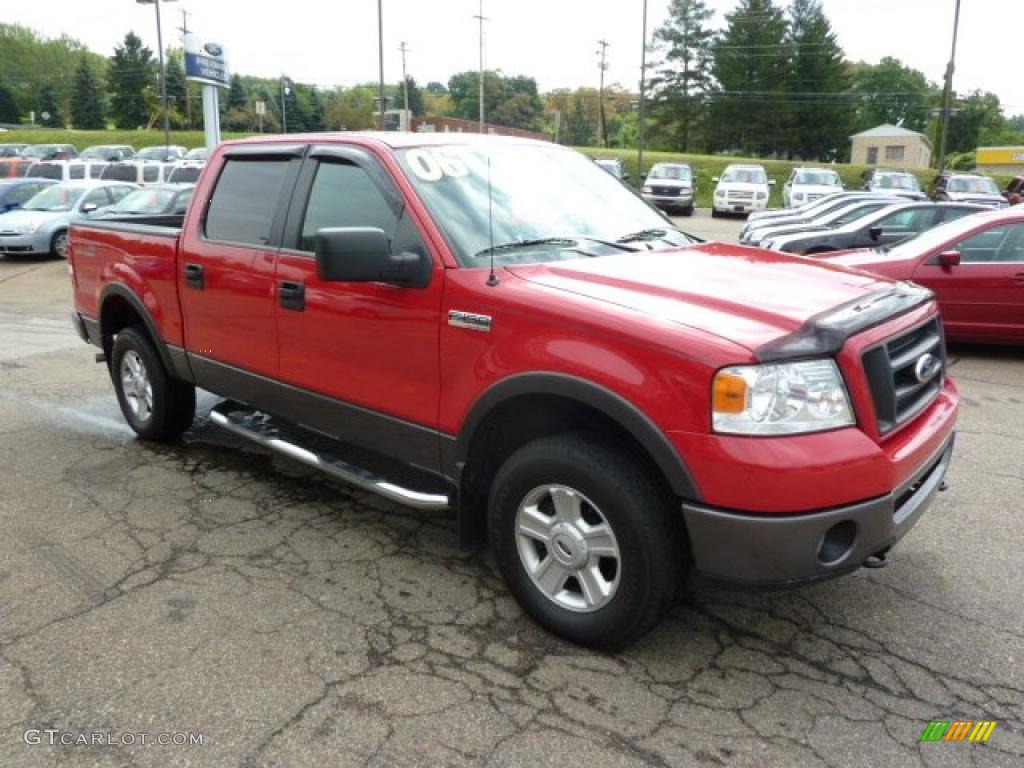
(492, 278)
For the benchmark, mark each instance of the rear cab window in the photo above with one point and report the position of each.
(244, 201)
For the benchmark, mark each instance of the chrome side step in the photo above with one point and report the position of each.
(260, 428)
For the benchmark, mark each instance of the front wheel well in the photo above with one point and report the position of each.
(519, 420)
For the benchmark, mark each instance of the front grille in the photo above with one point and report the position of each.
(666, 191)
(891, 368)
(741, 195)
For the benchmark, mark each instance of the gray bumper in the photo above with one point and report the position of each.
(25, 244)
(785, 550)
(679, 201)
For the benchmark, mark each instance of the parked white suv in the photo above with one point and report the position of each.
(741, 189)
(805, 185)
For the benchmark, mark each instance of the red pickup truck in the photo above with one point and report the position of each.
(499, 327)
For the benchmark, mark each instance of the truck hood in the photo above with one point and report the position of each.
(813, 189)
(740, 186)
(745, 295)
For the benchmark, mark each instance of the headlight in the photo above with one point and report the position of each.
(719, 193)
(798, 196)
(762, 195)
(647, 190)
(780, 399)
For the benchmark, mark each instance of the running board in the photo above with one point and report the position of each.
(260, 428)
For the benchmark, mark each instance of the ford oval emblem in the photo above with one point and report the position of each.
(926, 367)
(213, 49)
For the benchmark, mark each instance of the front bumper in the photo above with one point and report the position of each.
(684, 200)
(787, 550)
(36, 243)
(725, 205)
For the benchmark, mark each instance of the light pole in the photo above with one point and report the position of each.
(947, 97)
(481, 18)
(380, 52)
(643, 95)
(600, 93)
(405, 83)
(163, 71)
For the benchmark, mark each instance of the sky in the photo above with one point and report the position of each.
(555, 41)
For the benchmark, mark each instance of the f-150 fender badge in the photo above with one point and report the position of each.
(469, 320)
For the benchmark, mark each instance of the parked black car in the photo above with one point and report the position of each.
(882, 228)
(967, 188)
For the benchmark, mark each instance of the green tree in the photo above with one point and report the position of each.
(8, 107)
(131, 81)
(823, 114)
(177, 94)
(524, 112)
(237, 96)
(892, 93)
(752, 57)
(87, 109)
(978, 121)
(580, 127)
(50, 114)
(684, 77)
(351, 110)
(415, 96)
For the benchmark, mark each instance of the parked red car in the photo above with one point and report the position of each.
(500, 327)
(975, 266)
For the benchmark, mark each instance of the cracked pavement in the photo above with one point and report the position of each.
(209, 587)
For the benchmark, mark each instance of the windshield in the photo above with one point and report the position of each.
(10, 151)
(977, 185)
(145, 201)
(844, 215)
(58, 198)
(196, 154)
(744, 176)
(676, 172)
(902, 181)
(155, 153)
(184, 175)
(818, 178)
(538, 193)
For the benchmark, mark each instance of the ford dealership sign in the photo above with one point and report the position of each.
(206, 62)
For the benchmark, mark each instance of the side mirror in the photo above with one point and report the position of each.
(363, 255)
(950, 258)
(771, 182)
(89, 207)
(625, 177)
(875, 232)
(714, 179)
(643, 177)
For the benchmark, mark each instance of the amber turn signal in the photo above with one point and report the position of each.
(730, 393)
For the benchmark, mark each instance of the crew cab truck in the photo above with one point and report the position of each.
(498, 326)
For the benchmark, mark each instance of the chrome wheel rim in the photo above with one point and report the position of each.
(61, 245)
(568, 548)
(137, 388)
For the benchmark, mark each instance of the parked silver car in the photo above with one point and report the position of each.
(40, 227)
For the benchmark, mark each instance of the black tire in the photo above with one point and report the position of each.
(59, 244)
(688, 210)
(714, 213)
(644, 519)
(172, 402)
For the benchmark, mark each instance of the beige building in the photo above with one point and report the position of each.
(891, 146)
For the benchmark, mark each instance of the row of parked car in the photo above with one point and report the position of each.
(746, 189)
(36, 213)
(108, 162)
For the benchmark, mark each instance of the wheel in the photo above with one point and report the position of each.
(714, 213)
(156, 406)
(59, 244)
(586, 540)
(688, 210)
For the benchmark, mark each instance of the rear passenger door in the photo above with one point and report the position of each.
(362, 357)
(226, 269)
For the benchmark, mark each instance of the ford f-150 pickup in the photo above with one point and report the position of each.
(499, 327)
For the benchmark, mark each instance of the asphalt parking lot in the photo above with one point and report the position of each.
(208, 588)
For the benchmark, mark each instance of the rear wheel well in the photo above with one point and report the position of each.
(116, 314)
(519, 420)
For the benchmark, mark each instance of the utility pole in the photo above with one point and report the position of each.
(380, 53)
(603, 67)
(481, 18)
(405, 82)
(948, 94)
(284, 108)
(643, 95)
(184, 37)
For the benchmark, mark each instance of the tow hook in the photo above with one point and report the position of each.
(877, 560)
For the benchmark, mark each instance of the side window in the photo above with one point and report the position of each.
(119, 192)
(343, 195)
(76, 172)
(244, 201)
(872, 158)
(97, 197)
(1001, 243)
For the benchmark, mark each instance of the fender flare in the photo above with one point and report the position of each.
(614, 406)
(179, 367)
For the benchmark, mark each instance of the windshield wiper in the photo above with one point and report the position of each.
(567, 242)
(643, 235)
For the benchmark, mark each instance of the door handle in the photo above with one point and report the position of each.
(1019, 277)
(292, 296)
(194, 276)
